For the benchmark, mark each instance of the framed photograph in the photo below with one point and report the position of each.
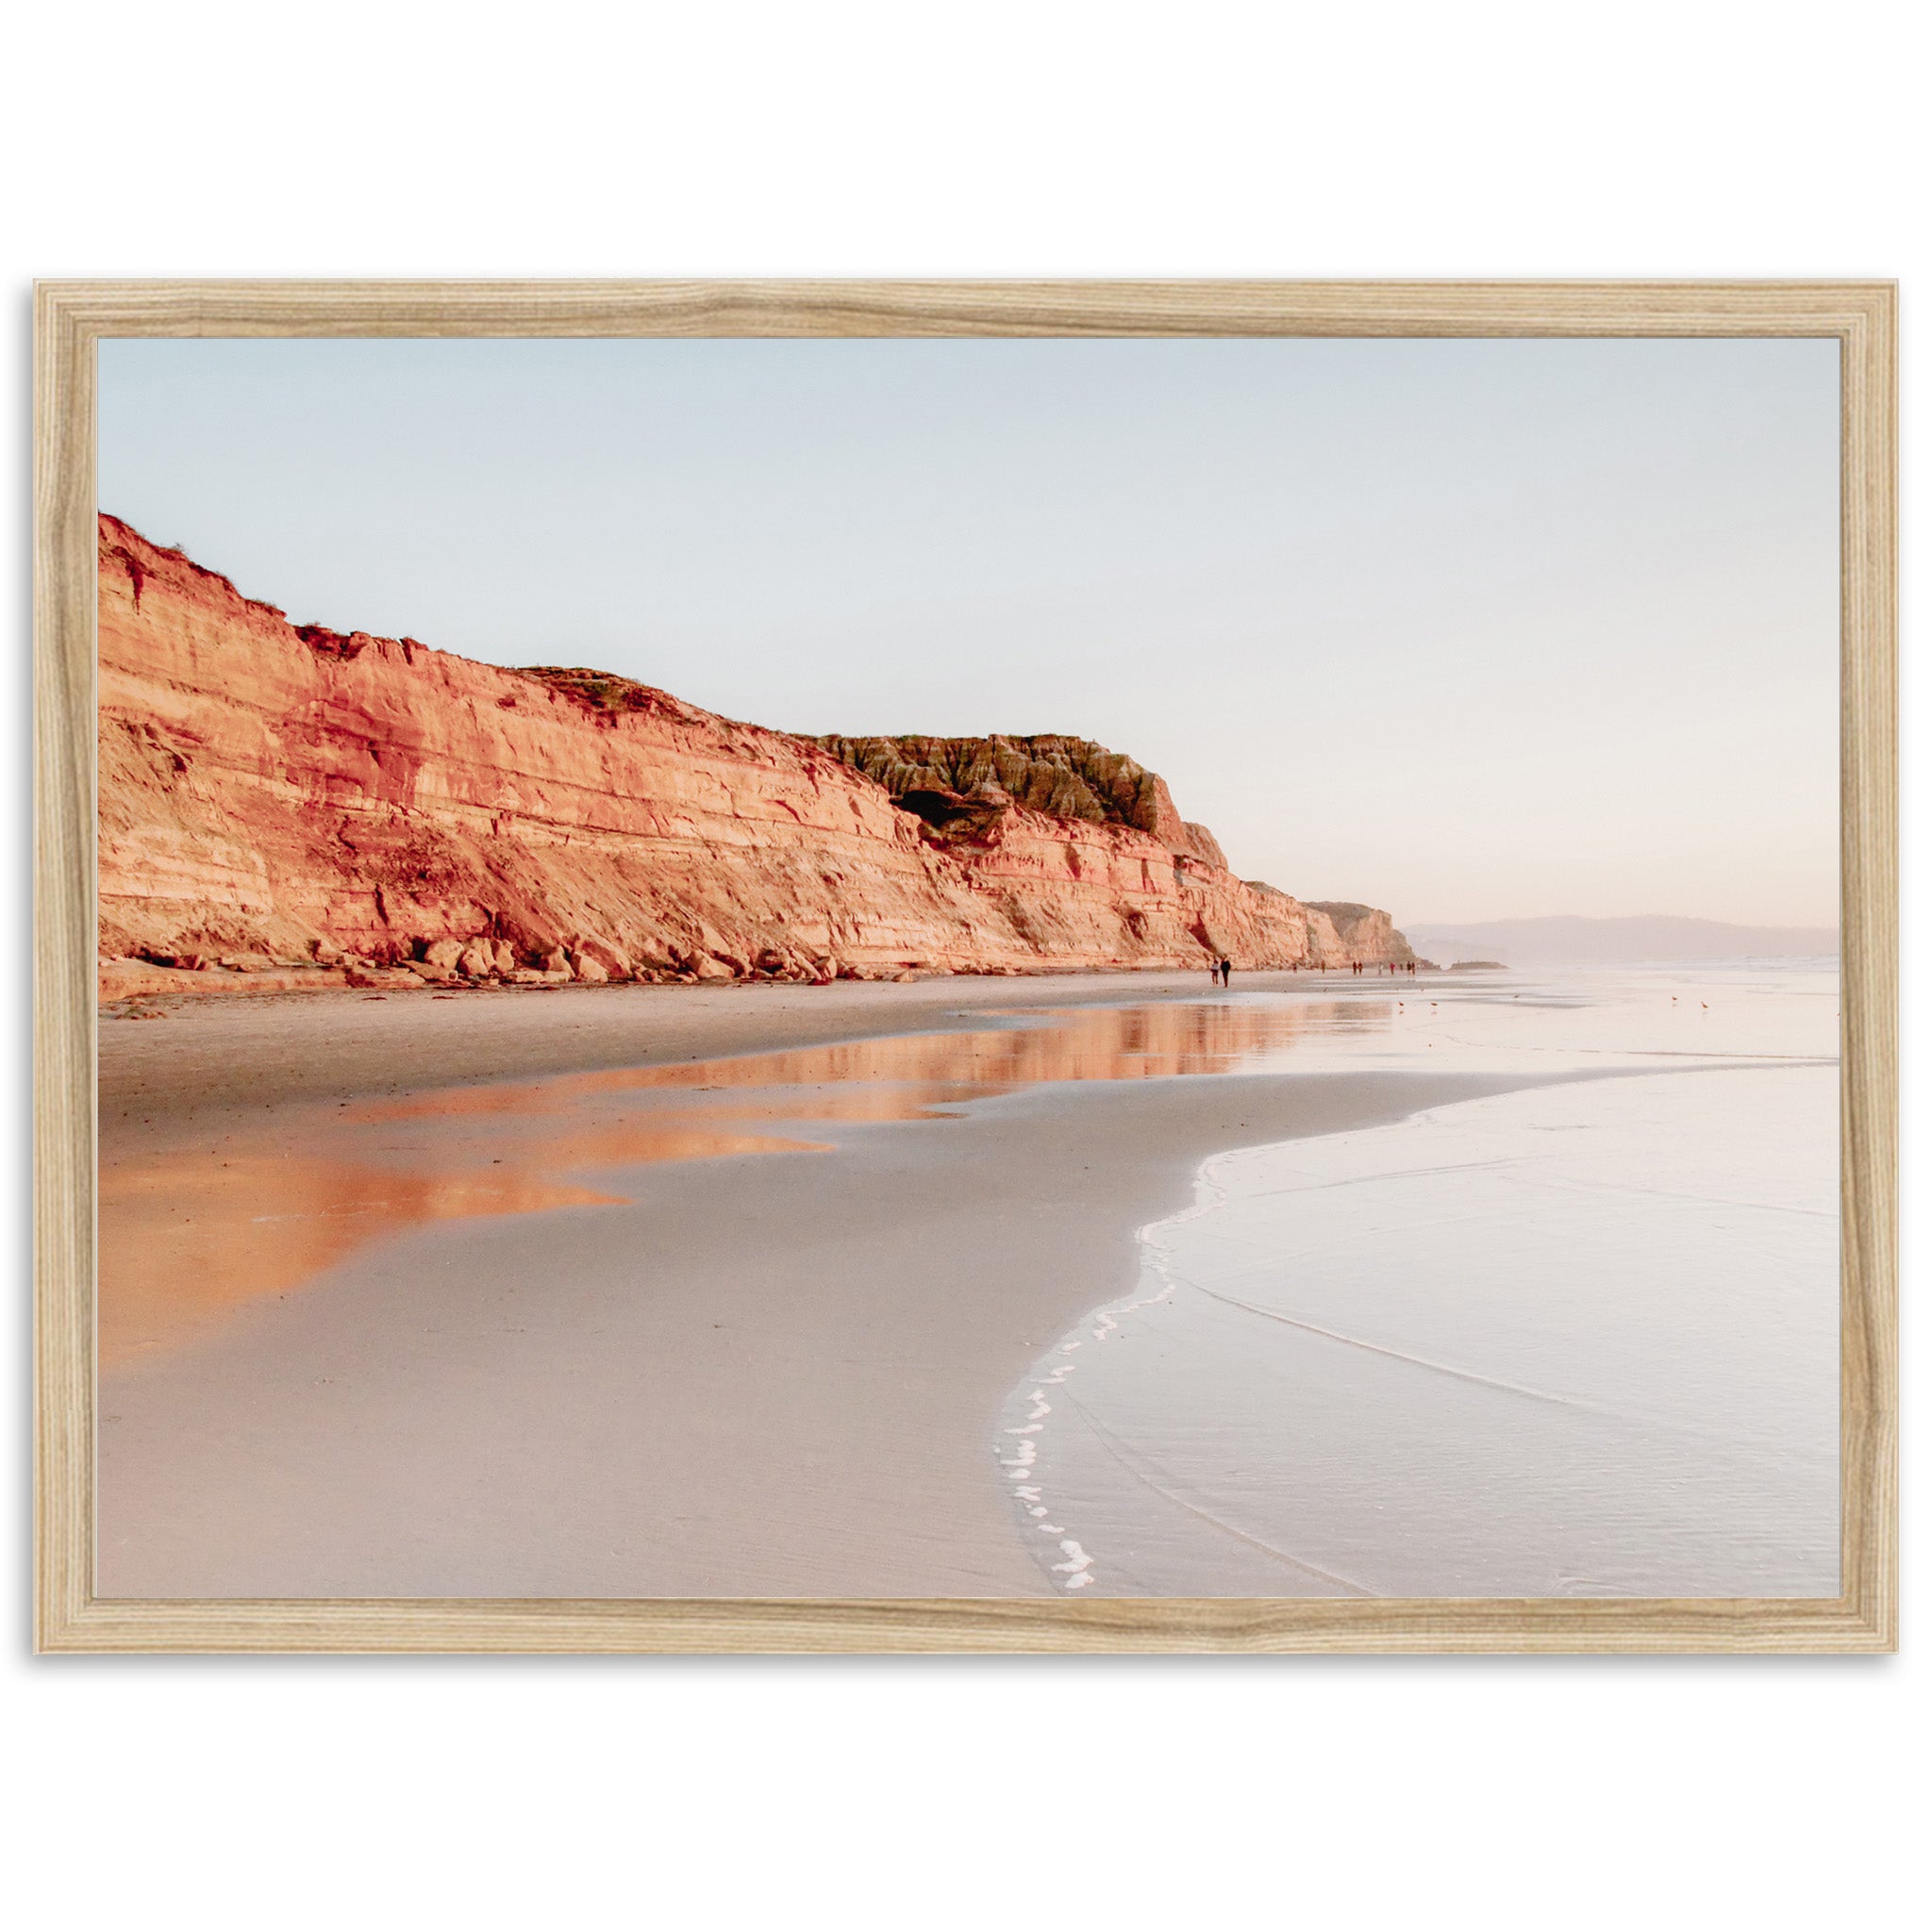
(943, 966)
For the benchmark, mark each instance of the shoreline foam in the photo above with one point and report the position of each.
(1152, 1431)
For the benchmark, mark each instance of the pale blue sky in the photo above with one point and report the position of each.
(1467, 629)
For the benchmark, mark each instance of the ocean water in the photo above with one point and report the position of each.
(1578, 1339)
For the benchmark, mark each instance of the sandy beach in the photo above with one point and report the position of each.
(689, 1346)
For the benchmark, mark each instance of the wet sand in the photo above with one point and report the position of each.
(690, 1368)
(256, 1051)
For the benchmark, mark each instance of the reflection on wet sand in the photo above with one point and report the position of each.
(187, 1238)
(1097, 1044)
(190, 1236)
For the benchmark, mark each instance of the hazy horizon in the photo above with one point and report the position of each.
(1471, 630)
(1653, 938)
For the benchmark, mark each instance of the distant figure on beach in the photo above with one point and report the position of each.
(1227, 970)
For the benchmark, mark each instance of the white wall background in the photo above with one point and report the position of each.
(1689, 138)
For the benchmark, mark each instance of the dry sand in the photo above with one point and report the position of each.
(753, 1375)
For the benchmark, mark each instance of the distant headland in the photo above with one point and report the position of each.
(1621, 941)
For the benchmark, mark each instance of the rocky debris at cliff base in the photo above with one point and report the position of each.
(126, 978)
(396, 977)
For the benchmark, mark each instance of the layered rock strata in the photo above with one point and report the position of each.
(1363, 932)
(285, 804)
(950, 781)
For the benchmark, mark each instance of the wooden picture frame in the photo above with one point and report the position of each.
(72, 316)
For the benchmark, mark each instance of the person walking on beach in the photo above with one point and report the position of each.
(1227, 970)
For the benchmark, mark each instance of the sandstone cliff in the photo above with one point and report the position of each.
(283, 796)
(1364, 932)
(947, 781)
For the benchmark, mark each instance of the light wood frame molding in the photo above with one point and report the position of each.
(72, 316)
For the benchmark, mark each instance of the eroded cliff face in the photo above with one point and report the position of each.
(1363, 932)
(946, 781)
(295, 799)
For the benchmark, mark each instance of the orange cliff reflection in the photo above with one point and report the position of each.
(190, 1237)
(908, 1075)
